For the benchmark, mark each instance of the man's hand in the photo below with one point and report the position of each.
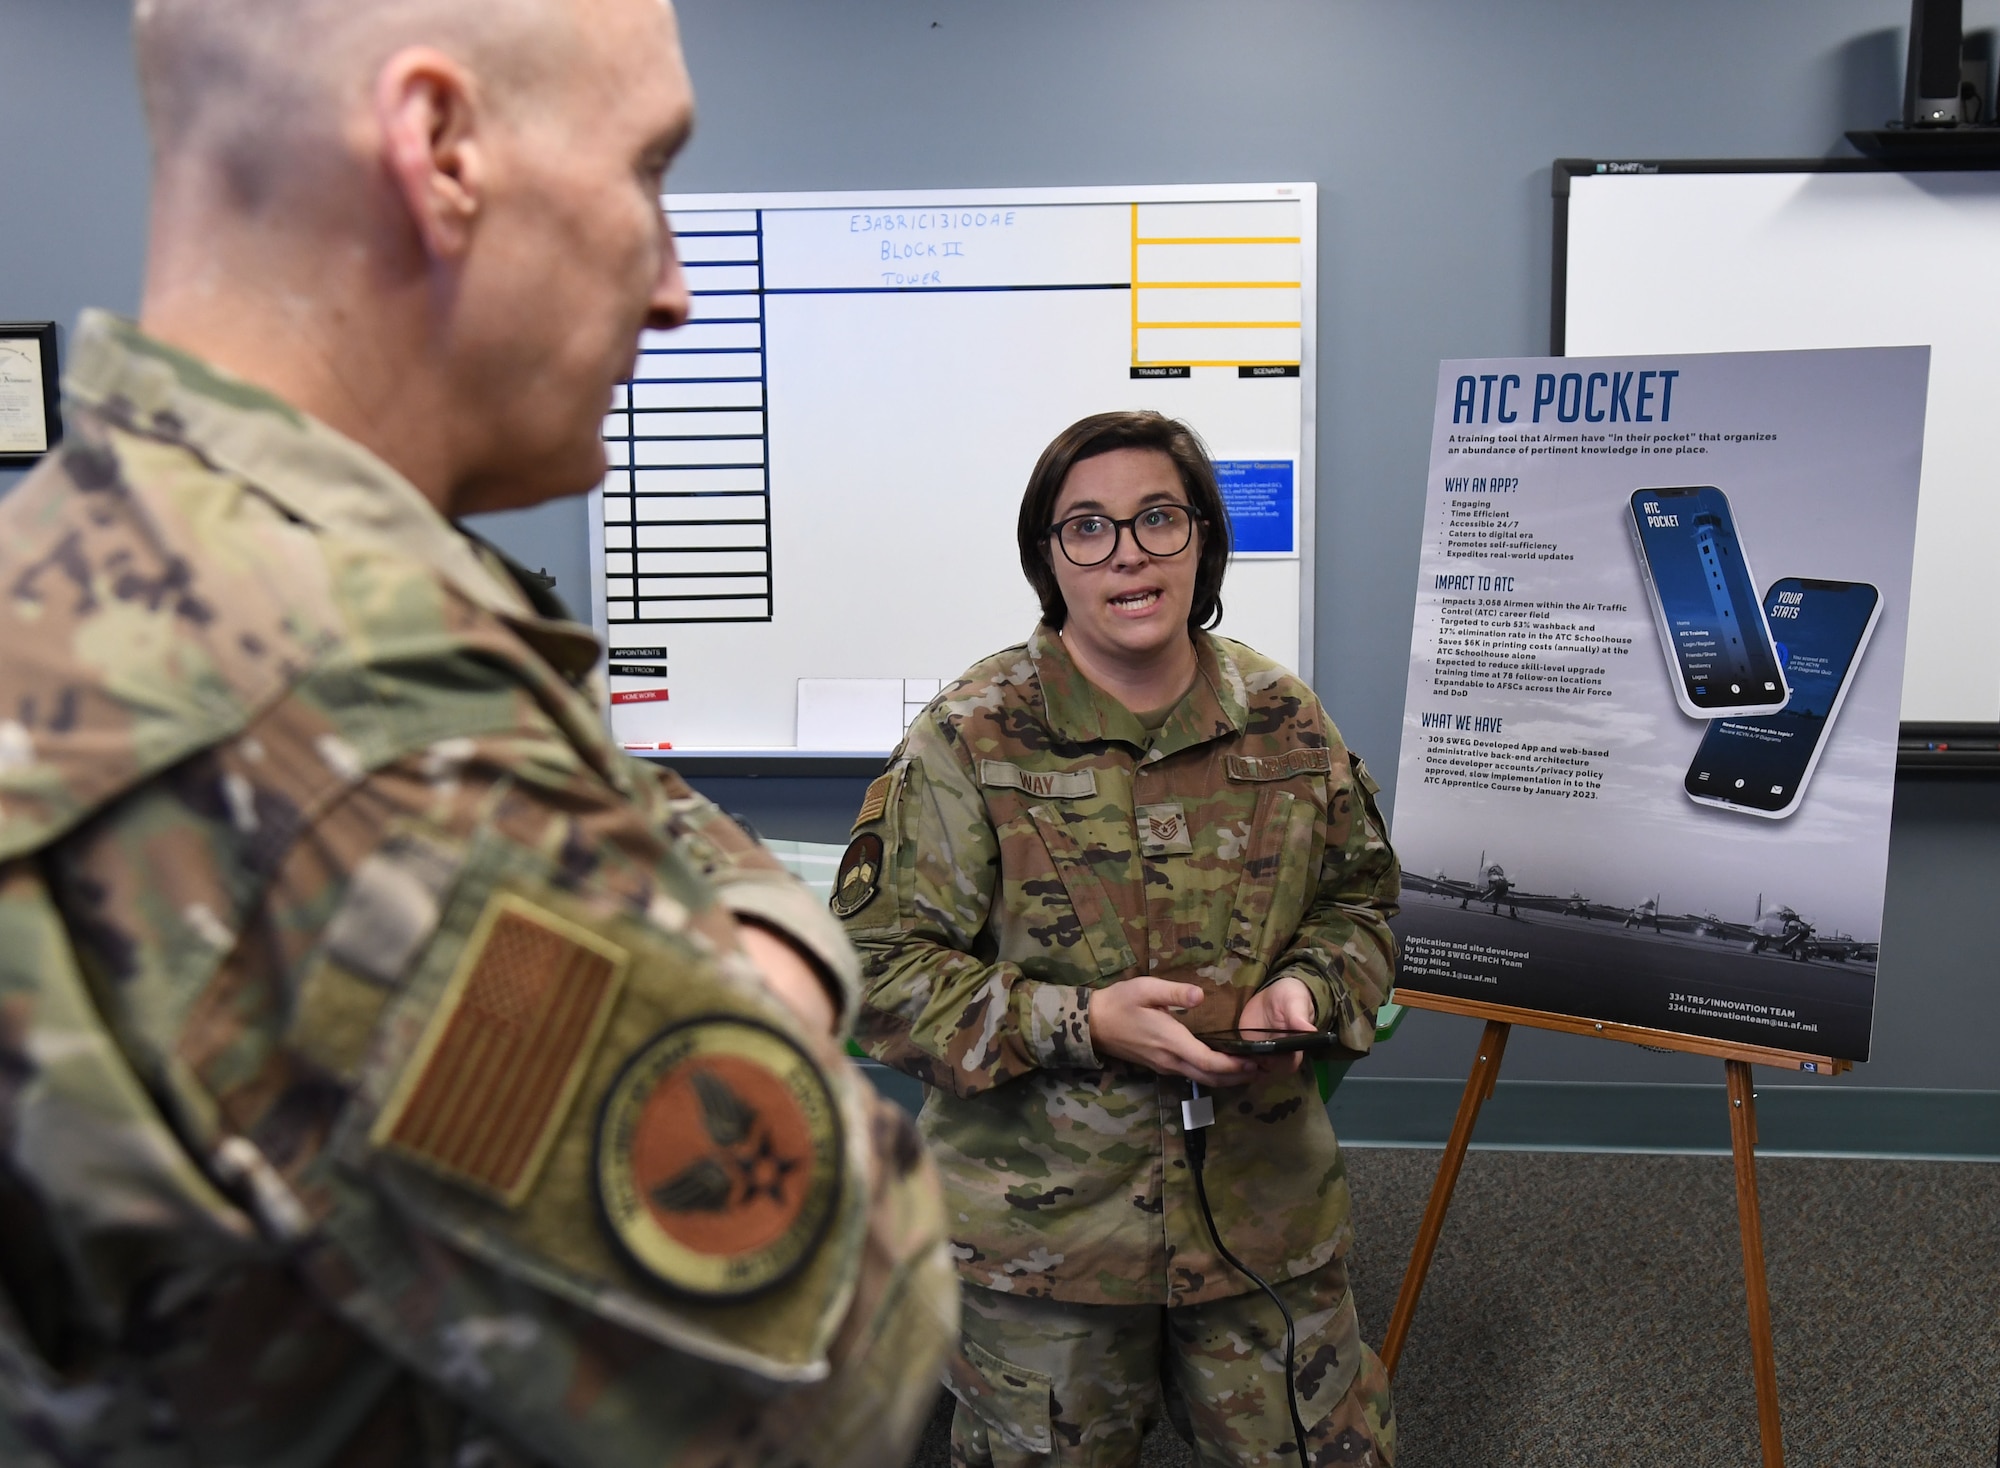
(1284, 1005)
(791, 978)
(1133, 1019)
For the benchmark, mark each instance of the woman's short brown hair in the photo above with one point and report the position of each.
(1100, 434)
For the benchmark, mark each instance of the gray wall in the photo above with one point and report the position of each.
(1429, 125)
(73, 171)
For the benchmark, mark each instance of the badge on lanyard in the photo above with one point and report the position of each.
(1163, 829)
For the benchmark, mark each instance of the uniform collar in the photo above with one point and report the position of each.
(317, 475)
(1077, 711)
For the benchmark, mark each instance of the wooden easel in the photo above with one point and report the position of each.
(1737, 1060)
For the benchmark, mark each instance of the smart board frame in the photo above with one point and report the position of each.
(1926, 745)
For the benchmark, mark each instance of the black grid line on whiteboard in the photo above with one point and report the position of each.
(687, 499)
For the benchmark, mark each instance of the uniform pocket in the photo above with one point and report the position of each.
(1279, 872)
(1251, 909)
(1011, 1400)
(1329, 1344)
(1101, 928)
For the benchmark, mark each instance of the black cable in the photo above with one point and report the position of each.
(1195, 1139)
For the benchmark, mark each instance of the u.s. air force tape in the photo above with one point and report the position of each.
(717, 1158)
(860, 875)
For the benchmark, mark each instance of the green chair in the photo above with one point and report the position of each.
(1387, 1019)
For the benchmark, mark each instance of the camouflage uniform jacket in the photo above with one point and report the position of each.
(340, 953)
(1037, 845)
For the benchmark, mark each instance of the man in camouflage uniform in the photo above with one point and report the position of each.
(391, 1070)
(1033, 844)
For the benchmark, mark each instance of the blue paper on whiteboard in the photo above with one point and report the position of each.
(1258, 493)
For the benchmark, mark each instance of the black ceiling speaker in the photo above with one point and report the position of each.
(1930, 91)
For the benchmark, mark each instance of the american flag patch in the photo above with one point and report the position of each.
(494, 1075)
(874, 802)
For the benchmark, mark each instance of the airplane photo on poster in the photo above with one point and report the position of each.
(1777, 929)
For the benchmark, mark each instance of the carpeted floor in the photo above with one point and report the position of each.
(1587, 1310)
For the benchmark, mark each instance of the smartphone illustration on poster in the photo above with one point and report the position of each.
(1720, 655)
(1761, 766)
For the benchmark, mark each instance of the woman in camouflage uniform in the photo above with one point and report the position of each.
(1090, 847)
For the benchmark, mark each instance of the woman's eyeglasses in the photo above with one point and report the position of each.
(1158, 530)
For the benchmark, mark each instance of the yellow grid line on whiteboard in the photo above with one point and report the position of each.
(1139, 285)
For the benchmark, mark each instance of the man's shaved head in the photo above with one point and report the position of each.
(249, 85)
(434, 224)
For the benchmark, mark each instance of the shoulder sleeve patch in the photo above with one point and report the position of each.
(1279, 766)
(498, 1067)
(875, 801)
(718, 1158)
(998, 774)
(859, 877)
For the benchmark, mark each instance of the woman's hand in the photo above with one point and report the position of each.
(1284, 1005)
(1133, 1019)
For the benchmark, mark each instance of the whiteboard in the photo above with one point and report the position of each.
(1709, 258)
(808, 523)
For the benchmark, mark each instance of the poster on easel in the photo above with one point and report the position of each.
(1649, 741)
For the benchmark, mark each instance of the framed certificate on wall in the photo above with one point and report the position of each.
(30, 392)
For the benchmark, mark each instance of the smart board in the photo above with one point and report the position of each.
(1723, 257)
(808, 523)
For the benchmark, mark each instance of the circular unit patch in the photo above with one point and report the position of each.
(860, 875)
(718, 1158)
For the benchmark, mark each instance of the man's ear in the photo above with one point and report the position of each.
(428, 114)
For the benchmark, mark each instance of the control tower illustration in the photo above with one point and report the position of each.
(1712, 546)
